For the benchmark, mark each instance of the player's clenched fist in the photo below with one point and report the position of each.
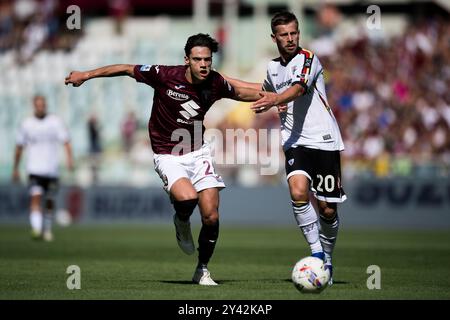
(76, 78)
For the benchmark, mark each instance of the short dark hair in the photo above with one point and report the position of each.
(201, 40)
(283, 17)
(38, 96)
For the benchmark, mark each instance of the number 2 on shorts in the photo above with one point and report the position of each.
(208, 171)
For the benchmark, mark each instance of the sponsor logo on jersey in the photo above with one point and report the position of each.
(326, 137)
(274, 74)
(189, 109)
(283, 84)
(178, 87)
(176, 95)
(294, 68)
(291, 161)
(184, 121)
(145, 67)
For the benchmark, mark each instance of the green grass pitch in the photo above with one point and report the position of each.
(144, 262)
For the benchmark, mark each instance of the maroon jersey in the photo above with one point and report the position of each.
(179, 107)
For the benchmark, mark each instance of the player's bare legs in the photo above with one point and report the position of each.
(182, 190)
(304, 213)
(47, 233)
(329, 226)
(36, 218)
(185, 200)
(209, 233)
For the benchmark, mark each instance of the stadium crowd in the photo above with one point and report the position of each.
(27, 26)
(389, 95)
(391, 100)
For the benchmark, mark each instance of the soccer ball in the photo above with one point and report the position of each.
(309, 275)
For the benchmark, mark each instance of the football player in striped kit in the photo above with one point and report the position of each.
(311, 138)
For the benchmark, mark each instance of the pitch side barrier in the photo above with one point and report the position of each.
(396, 203)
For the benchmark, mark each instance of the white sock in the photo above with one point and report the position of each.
(48, 221)
(327, 258)
(36, 221)
(306, 218)
(328, 234)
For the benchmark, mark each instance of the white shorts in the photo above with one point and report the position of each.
(197, 166)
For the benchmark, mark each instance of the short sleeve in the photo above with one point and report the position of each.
(62, 132)
(268, 84)
(149, 74)
(306, 72)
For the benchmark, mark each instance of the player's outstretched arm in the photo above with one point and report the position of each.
(268, 101)
(236, 83)
(249, 94)
(77, 78)
(245, 91)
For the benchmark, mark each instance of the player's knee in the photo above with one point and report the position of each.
(185, 208)
(300, 194)
(210, 216)
(187, 195)
(328, 211)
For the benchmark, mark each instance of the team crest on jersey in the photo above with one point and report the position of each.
(307, 63)
(145, 67)
(294, 68)
(291, 162)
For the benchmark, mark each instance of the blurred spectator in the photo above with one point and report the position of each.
(25, 9)
(221, 37)
(95, 147)
(28, 26)
(128, 129)
(34, 37)
(119, 10)
(48, 9)
(6, 25)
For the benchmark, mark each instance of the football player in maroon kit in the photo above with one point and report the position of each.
(183, 94)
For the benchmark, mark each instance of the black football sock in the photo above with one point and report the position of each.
(185, 208)
(206, 243)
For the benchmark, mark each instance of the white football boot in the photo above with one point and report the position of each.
(184, 235)
(328, 266)
(203, 277)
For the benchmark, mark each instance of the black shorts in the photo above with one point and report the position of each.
(43, 185)
(322, 168)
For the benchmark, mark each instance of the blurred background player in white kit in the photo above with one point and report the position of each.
(41, 135)
(310, 135)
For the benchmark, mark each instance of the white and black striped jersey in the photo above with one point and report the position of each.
(309, 120)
